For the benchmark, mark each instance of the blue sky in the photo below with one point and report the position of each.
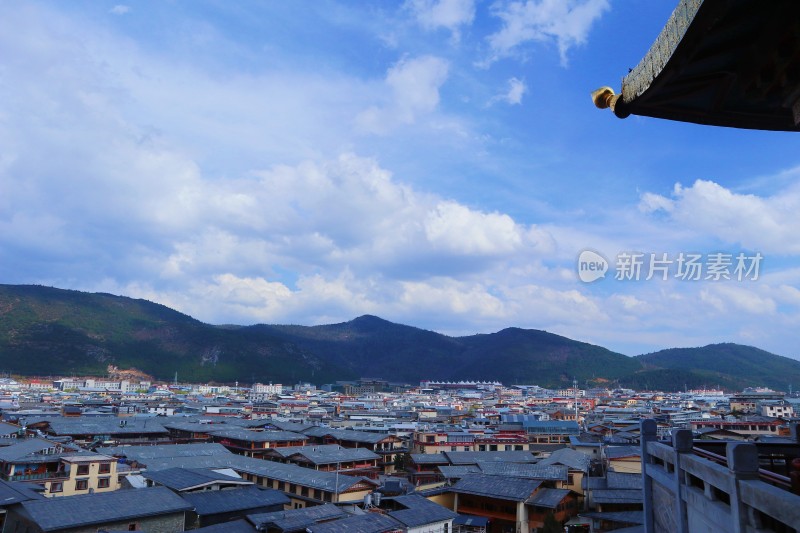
(438, 163)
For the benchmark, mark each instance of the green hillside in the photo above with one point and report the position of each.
(370, 346)
(737, 365)
(47, 331)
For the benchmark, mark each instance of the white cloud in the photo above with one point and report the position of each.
(516, 90)
(455, 227)
(727, 299)
(513, 95)
(415, 84)
(414, 91)
(448, 14)
(765, 224)
(565, 22)
(449, 296)
(120, 9)
(650, 203)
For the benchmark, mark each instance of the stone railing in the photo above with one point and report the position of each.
(684, 493)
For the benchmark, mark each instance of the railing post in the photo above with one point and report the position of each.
(682, 442)
(743, 464)
(647, 433)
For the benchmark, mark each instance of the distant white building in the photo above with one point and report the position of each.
(37, 385)
(267, 389)
(776, 409)
(213, 389)
(8, 384)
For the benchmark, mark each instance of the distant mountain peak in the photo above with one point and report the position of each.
(370, 318)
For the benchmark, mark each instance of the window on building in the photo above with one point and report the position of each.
(56, 487)
(103, 483)
(82, 484)
(83, 470)
(105, 468)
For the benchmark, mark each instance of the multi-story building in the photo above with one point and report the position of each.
(435, 441)
(748, 402)
(776, 408)
(61, 471)
(752, 426)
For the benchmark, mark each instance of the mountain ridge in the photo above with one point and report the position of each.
(45, 330)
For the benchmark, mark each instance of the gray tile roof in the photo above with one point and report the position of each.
(530, 471)
(366, 523)
(451, 472)
(8, 429)
(236, 526)
(211, 502)
(11, 493)
(231, 460)
(23, 448)
(52, 514)
(515, 489)
(296, 519)
(257, 436)
(616, 496)
(549, 498)
(620, 480)
(291, 426)
(328, 453)
(545, 448)
(282, 472)
(593, 483)
(473, 458)
(550, 426)
(568, 457)
(193, 426)
(347, 435)
(616, 452)
(181, 479)
(298, 474)
(105, 425)
(429, 458)
(420, 511)
(142, 453)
